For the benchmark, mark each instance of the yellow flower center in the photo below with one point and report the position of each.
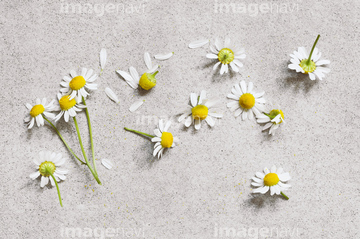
(274, 113)
(147, 81)
(271, 179)
(200, 112)
(47, 168)
(307, 67)
(77, 83)
(166, 140)
(36, 110)
(247, 101)
(226, 56)
(65, 103)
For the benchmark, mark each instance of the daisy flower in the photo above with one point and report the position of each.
(227, 54)
(163, 139)
(273, 179)
(147, 80)
(246, 102)
(309, 64)
(77, 85)
(68, 107)
(38, 112)
(47, 167)
(200, 109)
(272, 120)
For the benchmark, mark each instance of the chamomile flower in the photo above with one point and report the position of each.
(273, 179)
(201, 109)
(227, 54)
(68, 107)
(272, 120)
(309, 64)
(47, 166)
(38, 112)
(246, 102)
(77, 85)
(163, 139)
(147, 79)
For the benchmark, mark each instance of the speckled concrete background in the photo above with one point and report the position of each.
(201, 188)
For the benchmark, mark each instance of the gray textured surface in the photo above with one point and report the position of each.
(203, 184)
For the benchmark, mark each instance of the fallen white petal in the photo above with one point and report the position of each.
(162, 57)
(107, 164)
(111, 95)
(198, 43)
(103, 56)
(136, 105)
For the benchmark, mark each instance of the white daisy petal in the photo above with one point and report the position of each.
(133, 83)
(234, 67)
(210, 121)
(34, 175)
(163, 57)
(284, 177)
(158, 133)
(136, 105)
(111, 95)
(103, 56)
(147, 60)
(216, 65)
(156, 139)
(322, 62)
(198, 43)
(197, 124)
(211, 56)
(243, 86)
(260, 175)
(134, 74)
(193, 99)
(107, 163)
(202, 96)
(188, 121)
(44, 181)
(167, 126)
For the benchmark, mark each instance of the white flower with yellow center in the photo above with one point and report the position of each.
(271, 120)
(227, 54)
(38, 112)
(147, 79)
(201, 109)
(273, 179)
(77, 85)
(68, 107)
(163, 139)
(47, 166)
(246, 102)
(309, 64)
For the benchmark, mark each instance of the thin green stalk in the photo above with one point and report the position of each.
(286, 197)
(57, 131)
(57, 188)
(91, 138)
(138, 132)
(311, 52)
(83, 151)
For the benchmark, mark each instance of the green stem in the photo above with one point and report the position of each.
(286, 197)
(83, 151)
(57, 188)
(138, 132)
(57, 131)
(91, 138)
(311, 52)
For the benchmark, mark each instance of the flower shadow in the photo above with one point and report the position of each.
(298, 81)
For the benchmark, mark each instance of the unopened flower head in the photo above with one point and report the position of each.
(147, 79)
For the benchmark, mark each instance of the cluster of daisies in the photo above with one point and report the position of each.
(71, 99)
(245, 103)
